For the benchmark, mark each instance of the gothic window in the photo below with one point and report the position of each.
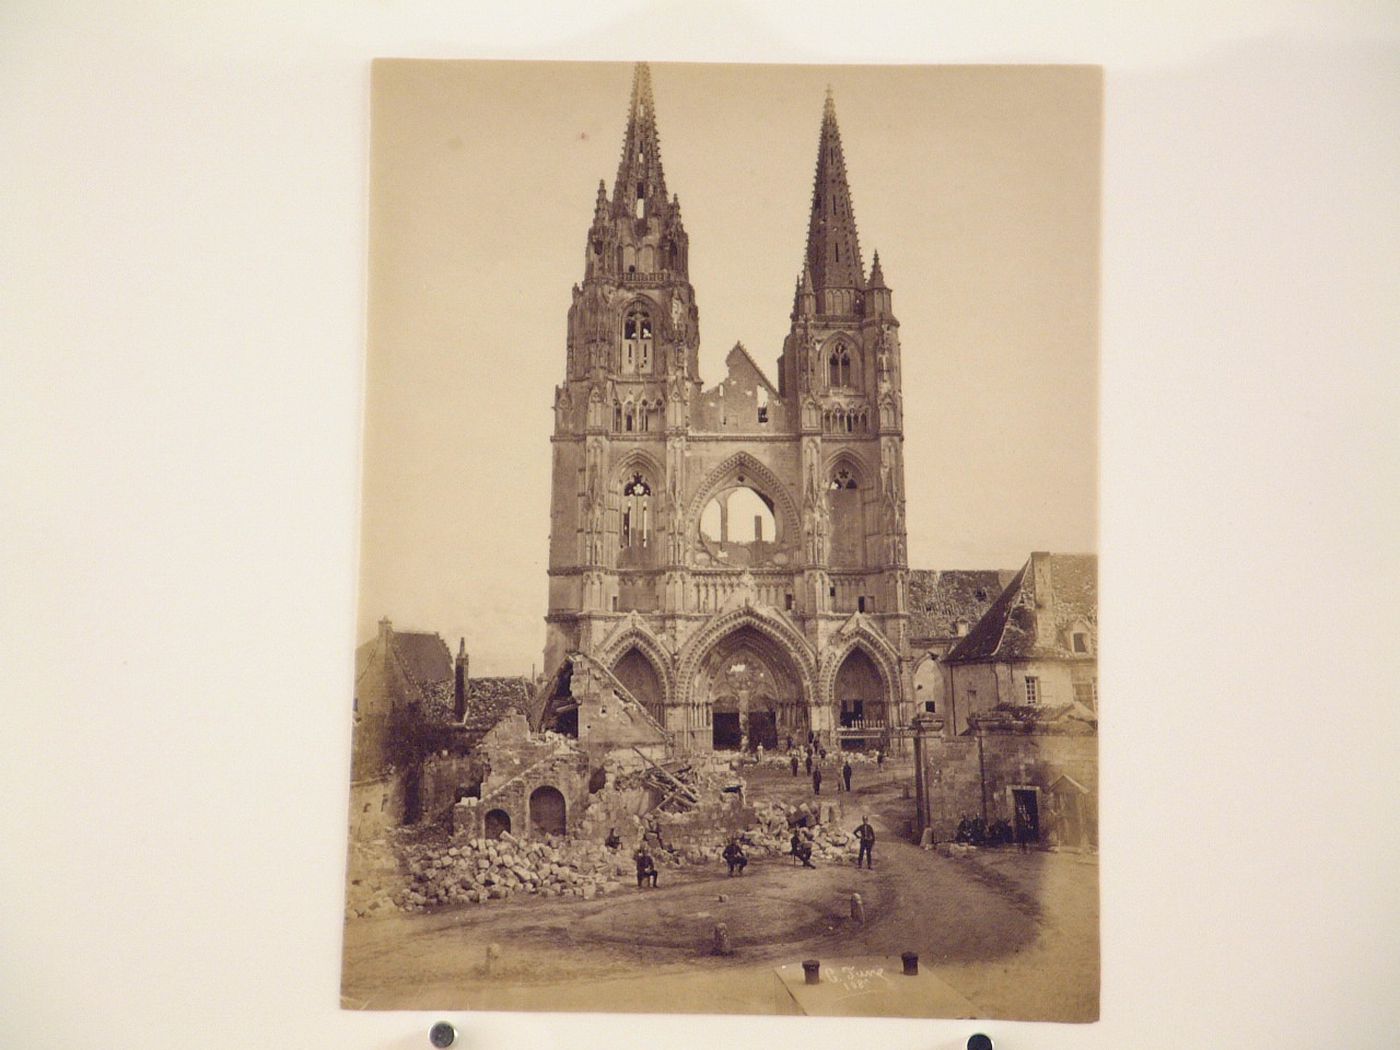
(628, 417)
(847, 520)
(617, 416)
(839, 365)
(635, 529)
(843, 480)
(636, 341)
(739, 516)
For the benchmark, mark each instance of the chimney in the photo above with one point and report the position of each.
(1046, 631)
(459, 685)
(386, 630)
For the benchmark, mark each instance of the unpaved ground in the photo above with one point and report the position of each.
(1017, 934)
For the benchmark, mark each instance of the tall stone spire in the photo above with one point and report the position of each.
(639, 174)
(833, 248)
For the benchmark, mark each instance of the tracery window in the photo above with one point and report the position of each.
(843, 480)
(636, 341)
(635, 530)
(840, 367)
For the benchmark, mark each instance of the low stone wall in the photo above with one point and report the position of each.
(376, 805)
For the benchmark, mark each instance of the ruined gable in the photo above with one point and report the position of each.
(743, 402)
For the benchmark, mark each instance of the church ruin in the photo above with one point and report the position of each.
(728, 564)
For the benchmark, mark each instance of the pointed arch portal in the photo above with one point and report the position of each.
(746, 687)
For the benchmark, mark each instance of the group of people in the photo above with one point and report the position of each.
(738, 860)
(801, 846)
(814, 760)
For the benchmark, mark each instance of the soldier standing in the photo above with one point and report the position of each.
(865, 835)
(846, 774)
(794, 764)
(816, 780)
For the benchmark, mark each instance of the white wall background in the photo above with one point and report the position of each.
(182, 194)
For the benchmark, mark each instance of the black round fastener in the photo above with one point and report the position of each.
(442, 1035)
(978, 1041)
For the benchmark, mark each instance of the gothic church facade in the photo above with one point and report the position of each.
(733, 557)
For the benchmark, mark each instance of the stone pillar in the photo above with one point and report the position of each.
(926, 729)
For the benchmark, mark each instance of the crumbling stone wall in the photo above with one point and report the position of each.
(376, 804)
(442, 776)
(959, 775)
(519, 763)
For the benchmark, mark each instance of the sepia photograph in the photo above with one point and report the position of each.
(747, 675)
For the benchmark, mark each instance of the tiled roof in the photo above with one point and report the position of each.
(425, 656)
(491, 699)
(938, 599)
(1012, 629)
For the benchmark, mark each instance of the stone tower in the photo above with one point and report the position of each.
(734, 557)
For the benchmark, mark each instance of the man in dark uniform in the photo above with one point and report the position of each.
(816, 780)
(794, 764)
(865, 835)
(808, 760)
(734, 857)
(800, 849)
(846, 774)
(646, 868)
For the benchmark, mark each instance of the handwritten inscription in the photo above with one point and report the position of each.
(855, 978)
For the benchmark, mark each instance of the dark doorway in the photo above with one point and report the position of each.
(547, 811)
(726, 726)
(1026, 816)
(763, 729)
(412, 795)
(497, 821)
(567, 722)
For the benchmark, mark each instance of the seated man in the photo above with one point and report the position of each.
(735, 858)
(646, 868)
(802, 849)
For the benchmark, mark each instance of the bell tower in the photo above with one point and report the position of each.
(622, 412)
(839, 373)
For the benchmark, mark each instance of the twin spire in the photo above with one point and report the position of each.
(832, 259)
(833, 248)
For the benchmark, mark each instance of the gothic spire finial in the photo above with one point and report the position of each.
(639, 174)
(877, 275)
(833, 247)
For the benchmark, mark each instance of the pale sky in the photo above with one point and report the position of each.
(978, 185)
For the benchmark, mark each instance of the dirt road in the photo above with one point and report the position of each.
(1014, 933)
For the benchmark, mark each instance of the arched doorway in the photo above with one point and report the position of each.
(636, 672)
(748, 684)
(860, 700)
(547, 811)
(928, 687)
(497, 821)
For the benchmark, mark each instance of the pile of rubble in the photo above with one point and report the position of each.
(819, 824)
(481, 870)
